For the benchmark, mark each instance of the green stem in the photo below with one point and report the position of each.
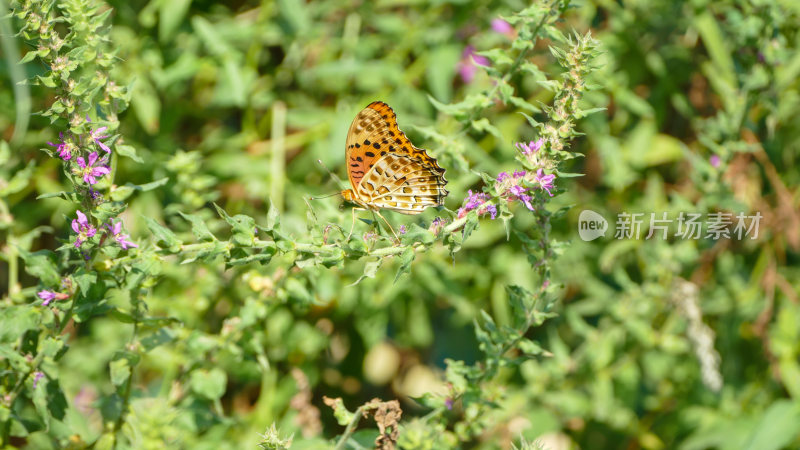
(351, 427)
(278, 154)
(22, 94)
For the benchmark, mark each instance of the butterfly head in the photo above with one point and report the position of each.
(350, 196)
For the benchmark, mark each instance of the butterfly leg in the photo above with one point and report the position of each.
(389, 225)
(352, 227)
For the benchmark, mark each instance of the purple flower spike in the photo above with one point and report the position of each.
(82, 228)
(120, 237)
(476, 201)
(89, 171)
(531, 147)
(545, 181)
(402, 229)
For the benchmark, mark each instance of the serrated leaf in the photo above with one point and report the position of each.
(483, 125)
(370, 269)
(470, 225)
(242, 226)
(199, 227)
(406, 258)
(163, 234)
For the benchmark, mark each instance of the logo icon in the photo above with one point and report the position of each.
(591, 225)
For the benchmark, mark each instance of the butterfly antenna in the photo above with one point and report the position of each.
(324, 196)
(333, 175)
(335, 178)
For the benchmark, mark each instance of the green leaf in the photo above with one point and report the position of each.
(199, 227)
(42, 265)
(19, 181)
(406, 258)
(209, 384)
(120, 371)
(470, 225)
(273, 217)
(51, 346)
(415, 233)
(170, 15)
(243, 227)
(483, 125)
(778, 428)
(370, 269)
(159, 337)
(163, 234)
(16, 320)
(342, 415)
(84, 279)
(146, 105)
(128, 151)
(263, 258)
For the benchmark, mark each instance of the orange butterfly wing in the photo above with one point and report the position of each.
(373, 134)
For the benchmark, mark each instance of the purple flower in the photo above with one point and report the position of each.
(526, 199)
(714, 160)
(36, 377)
(531, 147)
(517, 190)
(95, 135)
(467, 66)
(402, 229)
(512, 190)
(502, 27)
(502, 176)
(122, 238)
(437, 225)
(476, 201)
(47, 296)
(492, 211)
(89, 170)
(370, 236)
(64, 148)
(82, 228)
(448, 403)
(545, 181)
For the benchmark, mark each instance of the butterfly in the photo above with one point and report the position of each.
(386, 170)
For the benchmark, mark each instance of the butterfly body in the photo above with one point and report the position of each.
(385, 170)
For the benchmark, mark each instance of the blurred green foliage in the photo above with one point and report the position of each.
(234, 103)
